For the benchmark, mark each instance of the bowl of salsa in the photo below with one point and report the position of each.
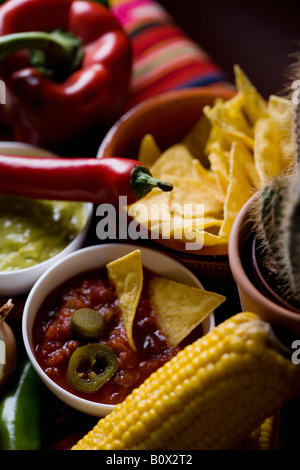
(73, 358)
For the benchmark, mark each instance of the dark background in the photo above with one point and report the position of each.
(261, 36)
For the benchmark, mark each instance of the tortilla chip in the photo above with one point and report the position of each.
(196, 234)
(253, 104)
(157, 209)
(281, 111)
(198, 192)
(191, 230)
(200, 238)
(267, 154)
(240, 186)
(166, 212)
(149, 151)
(151, 209)
(219, 165)
(177, 161)
(212, 240)
(179, 308)
(231, 121)
(219, 138)
(126, 274)
(196, 139)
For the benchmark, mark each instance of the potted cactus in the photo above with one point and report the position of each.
(264, 250)
(275, 257)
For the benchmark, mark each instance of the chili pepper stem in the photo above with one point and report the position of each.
(50, 51)
(142, 182)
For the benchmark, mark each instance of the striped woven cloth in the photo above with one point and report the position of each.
(164, 57)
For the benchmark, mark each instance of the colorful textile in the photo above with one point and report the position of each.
(165, 58)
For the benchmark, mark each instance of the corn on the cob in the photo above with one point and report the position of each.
(264, 437)
(209, 396)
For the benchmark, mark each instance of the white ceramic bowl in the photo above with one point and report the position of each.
(21, 281)
(81, 261)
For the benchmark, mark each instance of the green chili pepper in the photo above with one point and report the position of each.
(88, 323)
(20, 411)
(91, 366)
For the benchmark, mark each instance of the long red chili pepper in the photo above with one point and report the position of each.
(77, 179)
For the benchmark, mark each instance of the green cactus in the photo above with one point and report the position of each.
(276, 213)
(292, 236)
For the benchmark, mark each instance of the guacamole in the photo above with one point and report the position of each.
(32, 230)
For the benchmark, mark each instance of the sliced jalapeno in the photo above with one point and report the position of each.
(87, 323)
(91, 366)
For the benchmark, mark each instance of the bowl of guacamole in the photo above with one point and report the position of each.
(35, 233)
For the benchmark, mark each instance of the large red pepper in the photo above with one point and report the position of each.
(77, 179)
(60, 84)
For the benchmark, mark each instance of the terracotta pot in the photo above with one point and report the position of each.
(285, 321)
(265, 281)
(168, 117)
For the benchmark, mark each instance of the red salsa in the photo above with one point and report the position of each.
(55, 341)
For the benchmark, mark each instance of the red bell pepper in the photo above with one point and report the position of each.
(93, 180)
(66, 65)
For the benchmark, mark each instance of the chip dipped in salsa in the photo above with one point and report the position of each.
(82, 344)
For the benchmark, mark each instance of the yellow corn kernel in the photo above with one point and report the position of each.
(211, 405)
(264, 437)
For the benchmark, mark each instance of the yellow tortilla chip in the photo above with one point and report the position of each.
(219, 165)
(179, 308)
(267, 154)
(126, 274)
(217, 137)
(253, 104)
(198, 192)
(204, 237)
(191, 230)
(160, 211)
(240, 186)
(177, 161)
(151, 209)
(210, 239)
(149, 151)
(196, 234)
(230, 121)
(281, 111)
(196, 139)
(166, 213)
